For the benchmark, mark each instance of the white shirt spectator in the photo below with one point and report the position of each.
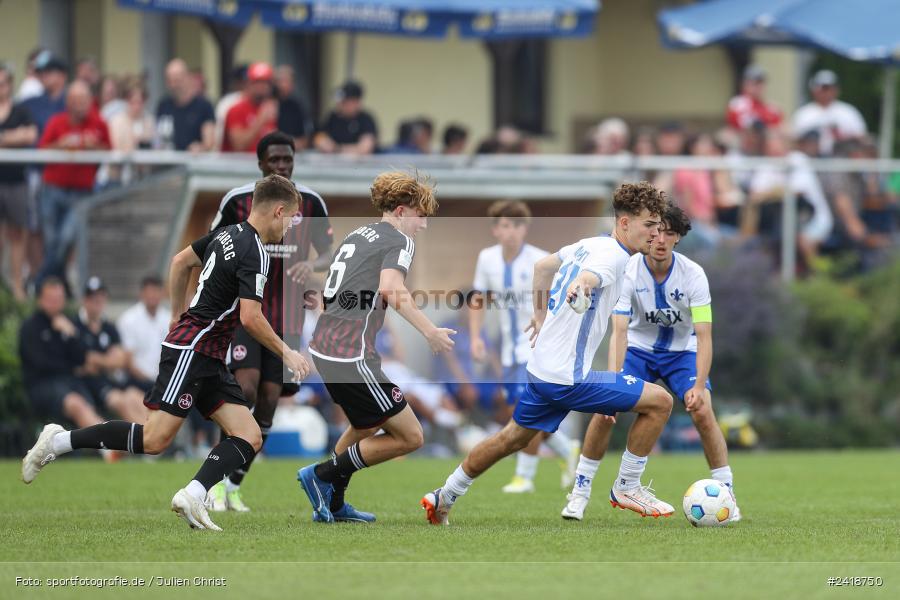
(222, 107)
(143, 334)
(31, 87)
(835, 122)
(804, 182)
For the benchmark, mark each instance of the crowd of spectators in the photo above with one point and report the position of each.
(847, 214)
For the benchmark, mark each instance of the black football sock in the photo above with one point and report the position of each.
(113, 435)
(238, 476)
(337, 498)
(344, 464)
(228, 455)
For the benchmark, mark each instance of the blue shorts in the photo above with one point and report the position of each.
(678, 370)
(515, 378)
(544, 405)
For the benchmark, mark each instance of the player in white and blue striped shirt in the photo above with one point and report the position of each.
(503, 276)
(664, 320)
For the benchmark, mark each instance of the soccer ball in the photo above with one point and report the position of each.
(708, 503)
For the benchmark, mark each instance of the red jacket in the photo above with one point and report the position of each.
(239, 117)
(743, 110)
(73, 176)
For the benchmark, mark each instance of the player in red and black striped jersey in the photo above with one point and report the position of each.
(259, 371)
(367, 275)
(192, 371)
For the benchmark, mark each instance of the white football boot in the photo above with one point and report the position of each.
(736, 515)
(41, 453)
(574, 509)
(193, 511)
(641, 500)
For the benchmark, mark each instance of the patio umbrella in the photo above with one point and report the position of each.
(861, 30)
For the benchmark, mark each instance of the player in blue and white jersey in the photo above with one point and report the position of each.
(664, 319)
(503, 280)
(575, 291)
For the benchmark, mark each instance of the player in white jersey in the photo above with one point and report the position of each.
(503, 280)
(664, 319)
(575, 291)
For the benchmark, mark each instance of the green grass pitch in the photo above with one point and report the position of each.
(807, 517)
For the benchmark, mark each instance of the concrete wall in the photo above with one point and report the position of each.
(447, 80)
(19, 26)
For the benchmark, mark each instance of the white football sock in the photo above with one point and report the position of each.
(630, 471)
(526, 465)
(560, 443)
(584, 476)
(62, 442)
(456, 485)
(196, 489)
(724, 475)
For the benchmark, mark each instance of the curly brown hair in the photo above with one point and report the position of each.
(632, 198)
(396, 188)
(514, 210)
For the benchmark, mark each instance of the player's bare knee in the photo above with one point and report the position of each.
(704, 418)
(659, 400)
(413, 439)
(156, 442)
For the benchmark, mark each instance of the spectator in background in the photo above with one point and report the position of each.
(348, 129)
(609, 138)
(750, 105)
(255, 115)
(763, 213)
(292, 118)
(669, 142)
(729, 195)
(67, 184)
(31, 86)
(833, 119)
(131, 129)
(184, 119)
(16, 131)
(455, 139)
(51, 350)
(86, 70)
(849, 194)
(103, 373)
(413, 137)
(237, 84)
(112, 100)
(143, 327)
(694, 192)
(52, 72)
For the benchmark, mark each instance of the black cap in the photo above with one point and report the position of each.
(46, 61)
(94, 285)
(350, 90)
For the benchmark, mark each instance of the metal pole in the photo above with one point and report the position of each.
(888, 113)
(788, 231)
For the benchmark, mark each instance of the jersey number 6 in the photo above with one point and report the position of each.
(336, 273)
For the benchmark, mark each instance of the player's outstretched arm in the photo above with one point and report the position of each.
(179, 275)
(257, 326)
(392, 288)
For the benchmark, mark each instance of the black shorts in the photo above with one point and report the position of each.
(190, 379)
(246, 353)
(47, 395)
(365, 393)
